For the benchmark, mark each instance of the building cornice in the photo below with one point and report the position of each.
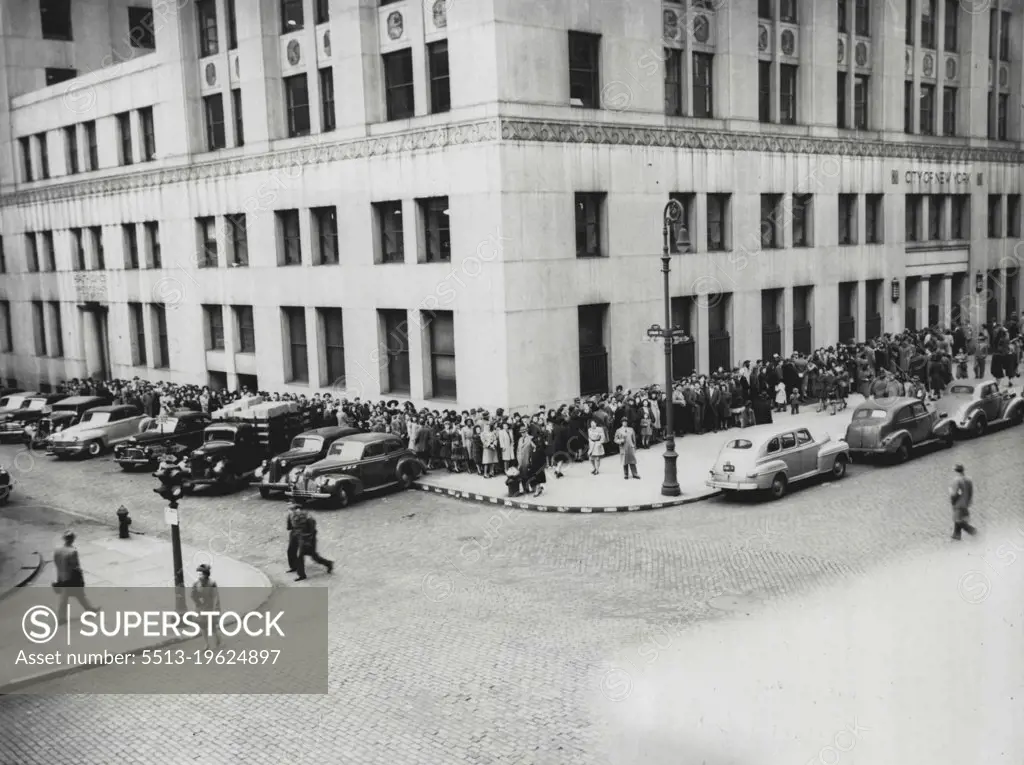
(506, 129)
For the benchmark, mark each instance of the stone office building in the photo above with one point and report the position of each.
(443, 201)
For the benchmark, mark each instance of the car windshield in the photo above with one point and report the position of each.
(739, 443)
(219, 434)
(96, 418)
(37, 404)
(869, 414)
(162, 425)
(962, 389)
(307, 443)
(346, 451)
(13, 402)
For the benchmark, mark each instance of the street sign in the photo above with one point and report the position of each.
(171, 517)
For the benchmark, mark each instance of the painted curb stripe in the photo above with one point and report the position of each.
(483, 498)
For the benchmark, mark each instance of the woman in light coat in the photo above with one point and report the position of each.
(595, 435)
(625, 437)
(506, 452)
(489, 441)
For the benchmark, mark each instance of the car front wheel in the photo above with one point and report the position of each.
(903, 452)
(778, 488)
(95, 448)
(838, 468)
(978, 427)
(342, 498)
(405, 477)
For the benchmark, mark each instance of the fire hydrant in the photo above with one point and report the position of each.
(123, 522)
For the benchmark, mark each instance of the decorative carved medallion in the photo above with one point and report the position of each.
(211, 74)
(327, 43)
(950, 68)
(928, 65)
(842, 50)
(788, 42)
(396, 25)
(670, 24)
(440, 12)
(762, 38)
(701, 28)
(860, 54)
(294, 52)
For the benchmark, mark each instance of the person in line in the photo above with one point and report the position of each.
(595, 434)
(70, 578)
(625, 437)
(961, 494)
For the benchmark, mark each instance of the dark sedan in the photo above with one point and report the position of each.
(33, 409)
(167, 436)
(311, 446)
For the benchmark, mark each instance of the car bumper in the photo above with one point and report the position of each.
(11, 431)
(307, 494)
(71, 449)
(134, 460)
(746, 484)
(266, 483)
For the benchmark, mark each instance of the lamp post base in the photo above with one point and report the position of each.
(670, 486)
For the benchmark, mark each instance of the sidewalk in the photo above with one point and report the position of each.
(580, 492)
(111, 565)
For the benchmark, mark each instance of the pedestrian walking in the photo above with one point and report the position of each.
(206, 597)
(70, 579)
(961, 492)
(292, 525)
(625, 437)
(307, 545)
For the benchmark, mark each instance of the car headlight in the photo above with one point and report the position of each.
(259, 472)
(294, 475)
(265, 464)
(220, 466)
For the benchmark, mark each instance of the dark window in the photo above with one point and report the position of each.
(326, 222)
(327, 118)
(841, 15)
(764, 9)
(322, 11)
(8, 335)
(55, 75)
(673, 82)
(398, 85)
(396, 345)
(298, 357)
(584, 70)
(861, 94)
(592, 350)
(1002, 109)
(39, 327)
(949, 111)
(718, 222)
(209, 43)
(246, 328)
(131, 246)
(908, 23)
(787, 11)
(148, 134)
(1013, 215)
(995, 216)
(78, 249)
(841, 99)
(44, 156)
(236, 108)
(392, 234)
(71, 145)
(90, 141)
(960, 219)
(951, 32)
(787, 94)
(138, 330)
(297, 104)
(847, 219)
(991, 105)
(3, 257)
(332, 330)
(927, 109)
(207, 242)
(589, 208)
(437, 236)
(96, 232)
(291, 238)
(292, 19)
(56, 19)
(214, 315)
(140, 28)
(862, 18)
(873, 218)
(802, 215)
(163, 360)
(913, 217)
(442, 353)
(236, 228)
(26, 158)
(232, 26)
(770, 229)
(437, 68)
(213, 109)
(764, 91)
(908, 106)
(935, 204)
(124, 132)
(928, 24)
(152, 229)
(31, 253)
(1004, 37)
(49, 252)
(58, 329)
(703, 102)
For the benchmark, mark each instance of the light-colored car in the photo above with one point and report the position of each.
(973, 406)
(777, 461)
(98, 430)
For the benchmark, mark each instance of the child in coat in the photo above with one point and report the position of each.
(794, 401)
(780, 397)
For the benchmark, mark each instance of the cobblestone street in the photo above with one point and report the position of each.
(471, 634)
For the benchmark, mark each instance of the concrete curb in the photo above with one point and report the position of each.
(468, 496)
(33, 570)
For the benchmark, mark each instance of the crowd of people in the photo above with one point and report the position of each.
(520, 447)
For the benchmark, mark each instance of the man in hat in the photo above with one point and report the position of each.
(961, 492)
(70, 579)
(306, 526)
(206, 597)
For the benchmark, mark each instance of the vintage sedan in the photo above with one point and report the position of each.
(62, 415)
(777, 461)
(974, 406)
(34, 408)
(15, 401)
(99, 429)
(354, 465)
(896, 427)
(167, 436)
(306, 448)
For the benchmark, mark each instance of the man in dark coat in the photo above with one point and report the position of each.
(306, 526)
(961, 493)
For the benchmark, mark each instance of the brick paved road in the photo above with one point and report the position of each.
(463, 633)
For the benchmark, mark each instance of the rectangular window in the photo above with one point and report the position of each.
(951, 30)
(246, 328)
(861, 96)
(841, 99)
(322, 11)
(928, 24)
(56, 75)
(49, 252)
(148, 134)
(593, 353)
(26, 159)
(332, 332)
(862, 18)
(58, 329)
(214, 318)
(991, 129)
(131, 246)
(995, 216)
(1013, 215)
(325, 220)
(163, 360)
(56, 19)
(787, 11)
(441, 326)
(392, 234)
(295, 331)
(936, 202)
(993, 34)
(96, 233)
(327, 118)
(847, 219)
(584, 70)
(765, 9)
(437, 236)
(927, 126)
(949, 96)
(1004, 37)
(213, 111)
(841, 13)
(771, 205)
(292, 19)
(960, 221)
(802, 215)
(764, 91)
(437, 69)
(153, 244)
(78, 249)
(908, 106)
(44, 156)
(209, 42)
(71, 148)
(236, 108)
(239, 233)
(124, 131)
(718, 222)
(908, 23)
(1001, 111)
(589, 209)
(141, 31)
(8, 335)
(703, 76)
(395, 327)
(39, 327)
(232, 26)
(138, 333)
(297, 104)
(3, 257)
(673, 82)
(873, 218)
(398, 85)
(31, 253)
(290, 237)
(93, 147)
(207, 231)
(912, 214)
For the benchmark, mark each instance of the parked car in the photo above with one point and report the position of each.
(15, 401)
(63, 415)
(354, 465)
(99, 429)
(168, 436)
(14, 421)
(306, 448)
(6, 485)
(775, 462)
(896, 427)
(973, 406)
